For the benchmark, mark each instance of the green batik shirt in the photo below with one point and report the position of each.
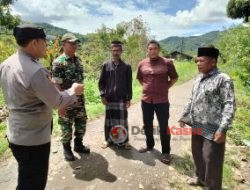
(212, 104)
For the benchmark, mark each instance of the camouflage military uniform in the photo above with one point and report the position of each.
(65, 72)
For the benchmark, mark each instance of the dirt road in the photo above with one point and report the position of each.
(114, 168)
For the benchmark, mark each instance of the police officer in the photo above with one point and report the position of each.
(30, 97)
(67, 69)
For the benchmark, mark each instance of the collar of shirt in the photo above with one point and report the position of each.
(154, 61)
(23, 53)
(116, 64)
(211, 73)
(69, 58)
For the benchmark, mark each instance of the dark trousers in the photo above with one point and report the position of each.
(33, 163)
(208, 158)
(162, 113)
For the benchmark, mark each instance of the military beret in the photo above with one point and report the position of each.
(208, 51)
(28, 31)
(69, 37)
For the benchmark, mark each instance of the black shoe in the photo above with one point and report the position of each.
(80, 148)
(166, 158)
(68, 154)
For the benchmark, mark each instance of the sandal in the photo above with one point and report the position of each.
(105, 144)
(166, 158)
(127, 146)
(196, 182)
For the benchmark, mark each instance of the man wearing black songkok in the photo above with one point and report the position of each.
(30, 97)
(209, 112)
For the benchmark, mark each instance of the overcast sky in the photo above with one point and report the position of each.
(164, 17)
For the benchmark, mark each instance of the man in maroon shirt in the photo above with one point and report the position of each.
(156, 74)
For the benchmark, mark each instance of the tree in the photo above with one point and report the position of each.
(164, 52)
(7, 20)
(6, 2)
(234, 45)
(96, 49)
(239, 9)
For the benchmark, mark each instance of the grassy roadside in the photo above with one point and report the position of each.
(241, 130)
(235, 167)
(186, 71)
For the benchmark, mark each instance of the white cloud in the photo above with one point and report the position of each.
(87, 16)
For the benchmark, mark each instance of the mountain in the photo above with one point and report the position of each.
(190, 44)
(56, 31)
(174, 43)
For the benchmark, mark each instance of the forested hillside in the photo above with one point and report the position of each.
(189, 45)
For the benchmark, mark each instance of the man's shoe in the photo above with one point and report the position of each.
(145, 149)
(166, 158)
(105, 144)
(127, 146)
(80, 148)
(196, 182)
(68, 154)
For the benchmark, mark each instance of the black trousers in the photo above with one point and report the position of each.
(208, 158)
(162, 113)
(33, 163)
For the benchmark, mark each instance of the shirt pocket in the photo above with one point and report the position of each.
(212, 95)
(211, 90)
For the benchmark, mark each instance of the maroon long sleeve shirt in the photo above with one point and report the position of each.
(154, 75)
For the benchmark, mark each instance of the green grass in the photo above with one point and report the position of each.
(228, 179)
(186, 71)
(1, 98)
(241, 129)
(3, 140)
(137, 89)
(230, 162)
(184, 165)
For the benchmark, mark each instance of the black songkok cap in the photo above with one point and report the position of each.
(208, 51)
(28, 32)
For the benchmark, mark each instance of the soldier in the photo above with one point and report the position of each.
(30, 96)
(67, 69)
